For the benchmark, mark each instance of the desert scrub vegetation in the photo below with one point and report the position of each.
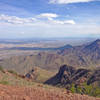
(91, 90)
(4, 82)
(12, 72)
(1, 69)
(86, 89)
(73, 89)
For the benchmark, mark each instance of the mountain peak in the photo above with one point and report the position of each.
(67, 69)
(97, 41)
(94, 45)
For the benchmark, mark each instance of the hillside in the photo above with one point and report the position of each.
(39, 75)
(13, 87)
(38, 93)
(84, 81)
(36, 74)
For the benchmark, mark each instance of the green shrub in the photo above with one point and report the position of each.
(96, 92)
(89, 90)
(73, 89)
(1, 69)
(4, 82)
(79, 90)
(12, 72)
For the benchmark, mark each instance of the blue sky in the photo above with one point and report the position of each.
(49, 18)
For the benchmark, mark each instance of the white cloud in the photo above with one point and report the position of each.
(63, 22)
(47, 15)
(50, 17)
(49, 28)
(16, 20)
(39, 19)
(69, 1)
(22, 33)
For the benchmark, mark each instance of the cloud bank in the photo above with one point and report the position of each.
(49, 19)
(51, 26)
(69, 1)
(16, 20)
(48, 15)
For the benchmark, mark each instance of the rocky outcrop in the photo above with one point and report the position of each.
(95, 77)
(32, 75)
(68, 75)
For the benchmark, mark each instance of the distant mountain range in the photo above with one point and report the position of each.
(38, 48)
(87, 56)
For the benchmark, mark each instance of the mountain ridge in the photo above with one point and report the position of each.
(77, 56)
(79, 80)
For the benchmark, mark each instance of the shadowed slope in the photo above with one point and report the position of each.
(68, 75)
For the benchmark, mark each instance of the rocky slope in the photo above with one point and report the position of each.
(68, 75)
(39, 75)
(78, 80)
(95, 77)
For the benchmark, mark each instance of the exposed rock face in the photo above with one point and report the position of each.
(31, 74)
(95, 77)
(68, 75)
(81, 81)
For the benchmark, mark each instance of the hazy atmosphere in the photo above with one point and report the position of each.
(49, 18)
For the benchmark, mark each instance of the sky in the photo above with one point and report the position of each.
(49, 18)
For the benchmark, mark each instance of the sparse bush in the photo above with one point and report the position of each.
(4, 82)
(1, 69)
(73, 89)
(86, 89)
(96, 93)
(12, 72)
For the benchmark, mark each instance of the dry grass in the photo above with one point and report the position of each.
(38, 93)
